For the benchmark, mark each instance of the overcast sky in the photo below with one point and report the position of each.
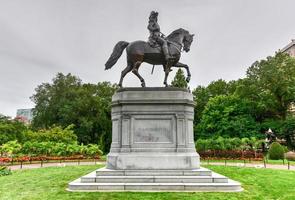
(39, 38)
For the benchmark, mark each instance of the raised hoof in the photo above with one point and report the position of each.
(188, 79)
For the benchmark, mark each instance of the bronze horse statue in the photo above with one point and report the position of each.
(141, 51)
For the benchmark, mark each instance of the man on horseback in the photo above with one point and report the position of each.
(156, 37)
(142, 51)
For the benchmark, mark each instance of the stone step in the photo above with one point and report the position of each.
(194, 172)
(153, 179)
(230, 186)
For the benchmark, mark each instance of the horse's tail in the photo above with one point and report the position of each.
(117, 52)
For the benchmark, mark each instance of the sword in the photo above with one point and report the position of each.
(153, 69)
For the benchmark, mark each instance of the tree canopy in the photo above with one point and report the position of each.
(227, 116)
(68, 101)
(179, 80)
(268, 89)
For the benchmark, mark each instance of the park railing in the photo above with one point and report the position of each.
(257, 163)
(26, 160)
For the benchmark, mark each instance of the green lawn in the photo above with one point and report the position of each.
(51, 182)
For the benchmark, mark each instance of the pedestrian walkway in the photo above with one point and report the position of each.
(58, 164)
(63, 164)
(254, 165)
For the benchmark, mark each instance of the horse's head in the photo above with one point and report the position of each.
(182, 37)
(187, 41)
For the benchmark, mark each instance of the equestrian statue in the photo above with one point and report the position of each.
(159, 50)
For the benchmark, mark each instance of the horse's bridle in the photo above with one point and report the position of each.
(176, 46)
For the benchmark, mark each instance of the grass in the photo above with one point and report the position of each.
(50, 183)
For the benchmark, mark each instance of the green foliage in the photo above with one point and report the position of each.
(282, 128)
(11, 148)
(270, 85)
(227, 116)
(276, 151)
(4, 171)
(221, 143)
(93, 150)
(268, 89)
(288, 131)
(203, 94)
(68, 101)
(34, 148)
(179, 80)
(54, 134)
(11, 130)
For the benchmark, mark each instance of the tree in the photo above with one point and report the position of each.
(273, 81)
(11, 130)
(227, 116)
(203, 94)
(179, 80)
(53, 100)
(68, 101)
(288, 131)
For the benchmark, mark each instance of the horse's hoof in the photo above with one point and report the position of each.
(142, 84)
(188, 79)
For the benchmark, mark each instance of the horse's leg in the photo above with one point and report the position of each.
(124, 72)
(181, 65)
(166, 70)
(135, 71)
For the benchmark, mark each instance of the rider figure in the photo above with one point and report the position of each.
(156, 36)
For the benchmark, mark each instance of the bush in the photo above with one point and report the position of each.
(4, 171)
(54, 134)
(276, 151)
(15, 150)
(221, 143)
(290, 156)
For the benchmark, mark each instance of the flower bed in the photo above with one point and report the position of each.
(4, 160)
(231, 154)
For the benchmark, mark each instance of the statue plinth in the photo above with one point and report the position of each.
(153, 146)
(152, 129)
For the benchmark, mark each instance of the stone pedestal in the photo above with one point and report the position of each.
(152, 129)
(153, 146)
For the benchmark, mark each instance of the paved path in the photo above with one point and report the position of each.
(254, 165)
(63, 164)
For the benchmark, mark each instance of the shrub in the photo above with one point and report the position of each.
(54, 134)
(221, 143)
(11, 148)
(4, 171)
(33, 149)
(202, 145)
(290, 156)
(276, 151)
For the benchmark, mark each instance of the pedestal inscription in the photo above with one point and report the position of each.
(153, 131)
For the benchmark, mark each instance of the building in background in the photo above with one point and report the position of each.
(24, 115)
(290, 49)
